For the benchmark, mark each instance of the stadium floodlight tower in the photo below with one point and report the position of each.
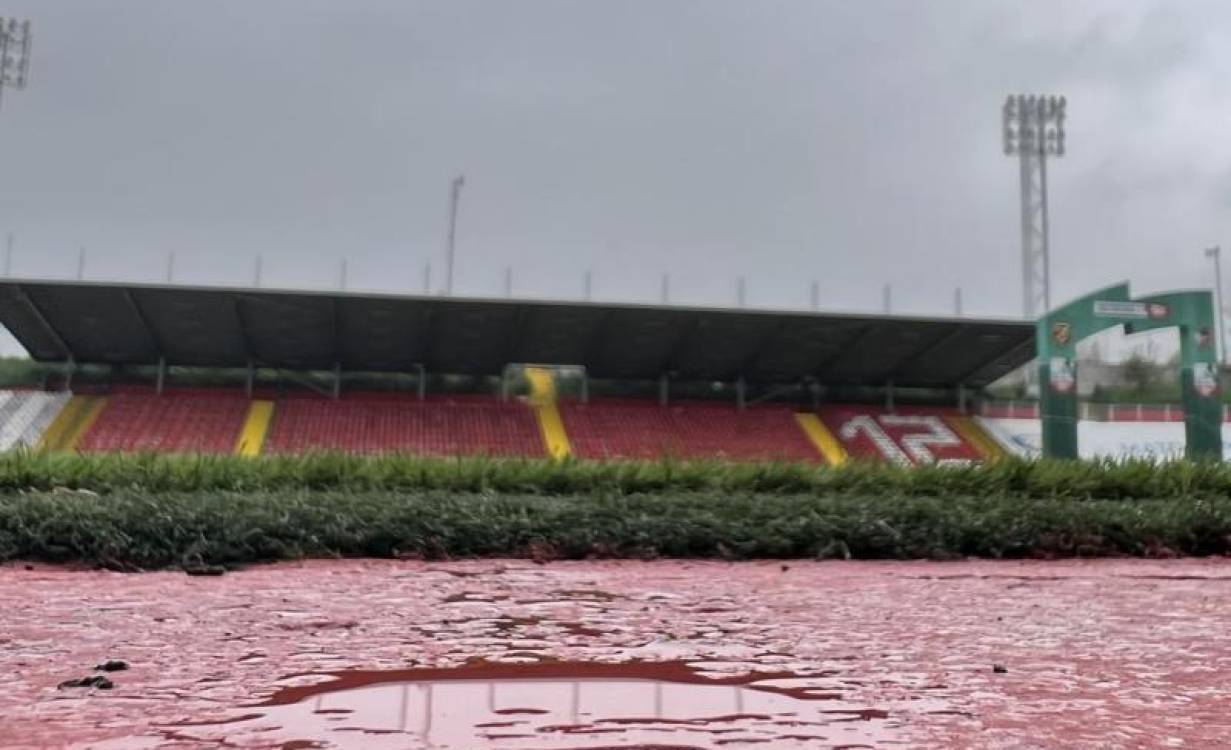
(1034, 131)
(14, 53)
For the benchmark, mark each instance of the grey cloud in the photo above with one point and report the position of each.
(856, 143)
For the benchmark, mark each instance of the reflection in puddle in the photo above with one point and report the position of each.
(557, 705)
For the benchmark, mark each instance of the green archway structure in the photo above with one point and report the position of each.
(1059, 331)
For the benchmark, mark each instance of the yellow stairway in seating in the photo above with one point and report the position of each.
(974, 434)
(256, 426)
(543, 401)
(72, 423)
(825, 442)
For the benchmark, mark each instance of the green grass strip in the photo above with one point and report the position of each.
(131, 528)
(26, 471)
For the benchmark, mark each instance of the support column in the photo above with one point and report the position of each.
(422, 384)
(162, 374)
(741, 400)
(585, 387)
(664, 388)
(251, 379)
(337, 380)
(889, 396)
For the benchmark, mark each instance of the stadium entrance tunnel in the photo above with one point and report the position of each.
(1058, 333)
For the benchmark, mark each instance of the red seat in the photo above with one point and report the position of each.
(386, 423)
(687, 430)
(177, 422)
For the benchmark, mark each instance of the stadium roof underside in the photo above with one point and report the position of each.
(103, 323)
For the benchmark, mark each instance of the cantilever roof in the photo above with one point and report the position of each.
(222, 327)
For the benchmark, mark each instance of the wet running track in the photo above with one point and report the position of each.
(509, 654)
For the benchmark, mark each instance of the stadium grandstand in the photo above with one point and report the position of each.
(293, 372)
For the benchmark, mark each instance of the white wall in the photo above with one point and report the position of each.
(1161, 440)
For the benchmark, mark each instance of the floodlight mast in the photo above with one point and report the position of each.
(1034, 131)
(455, 194)
(15, 41)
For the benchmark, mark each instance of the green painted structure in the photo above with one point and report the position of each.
(1192, 312)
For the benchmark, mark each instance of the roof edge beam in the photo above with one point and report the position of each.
(597, 338)
(758, 350)
(847, 344)
(966, 376)
(336, 329)
(242, 324)
(671, 362)
(520, 321)
(69, 355)
(159, 349)
(918, 355)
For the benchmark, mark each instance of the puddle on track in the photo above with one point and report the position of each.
(576, 705)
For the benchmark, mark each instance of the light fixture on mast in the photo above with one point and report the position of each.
(15, 43)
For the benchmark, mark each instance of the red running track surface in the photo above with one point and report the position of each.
(1099, 653)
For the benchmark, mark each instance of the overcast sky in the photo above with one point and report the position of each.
(855, 143)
